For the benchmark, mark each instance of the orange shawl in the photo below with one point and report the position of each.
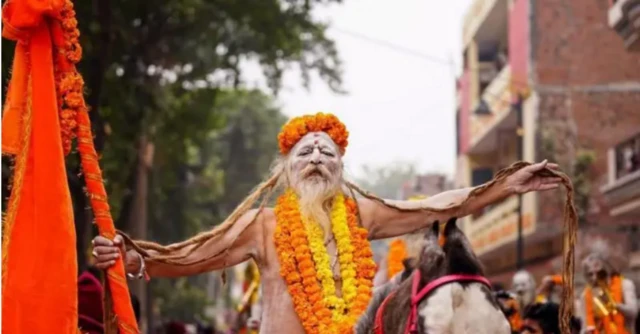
(44, 110)
(613, 321)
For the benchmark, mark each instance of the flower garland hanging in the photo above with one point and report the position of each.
(325, 274)
(305, 265)
(344, 243)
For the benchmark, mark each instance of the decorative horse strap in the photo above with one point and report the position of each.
(418, 296)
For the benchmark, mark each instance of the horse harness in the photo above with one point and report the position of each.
(418, 296)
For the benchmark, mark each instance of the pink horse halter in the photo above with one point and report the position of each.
(418, 296)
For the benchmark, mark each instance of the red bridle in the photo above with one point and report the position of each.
(417, 296)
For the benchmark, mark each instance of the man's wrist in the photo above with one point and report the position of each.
(507, 189)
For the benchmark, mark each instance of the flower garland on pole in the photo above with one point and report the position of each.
(39, 133)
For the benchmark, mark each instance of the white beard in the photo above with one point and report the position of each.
(315, 200)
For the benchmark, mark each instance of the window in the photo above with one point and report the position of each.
(481, 175)
(627, 155)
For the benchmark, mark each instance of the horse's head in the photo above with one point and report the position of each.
(446, 245)
(450, 308)
(454, 307)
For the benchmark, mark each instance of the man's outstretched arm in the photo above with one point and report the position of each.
(383, 221)
(240, 243)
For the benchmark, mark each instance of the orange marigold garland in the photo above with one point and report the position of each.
(290, 244)
(298, 127)
(69, 82)
(75, 122)
(397, 254)
(299, 271)
(363, 256)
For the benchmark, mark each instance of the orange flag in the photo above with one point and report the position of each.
(44, 111)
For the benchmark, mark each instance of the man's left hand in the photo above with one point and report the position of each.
(526, 180)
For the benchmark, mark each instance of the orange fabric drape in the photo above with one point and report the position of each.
(44, 111)
(608, 323)
(39, 291)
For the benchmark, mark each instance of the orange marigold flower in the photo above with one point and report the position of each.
(70, 82)
(69, 23)
(75, 54)
(395, 258)
(298, 127)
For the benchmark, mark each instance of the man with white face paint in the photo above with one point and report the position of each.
(524, 286)
(312, 249)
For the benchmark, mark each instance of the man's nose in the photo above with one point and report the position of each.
(315, 158)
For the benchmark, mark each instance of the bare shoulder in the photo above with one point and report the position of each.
(368, 210)
(266, 218)
(264, 228)
(258, 219)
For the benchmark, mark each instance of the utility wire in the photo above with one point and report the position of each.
(395, 47)
(408, 51)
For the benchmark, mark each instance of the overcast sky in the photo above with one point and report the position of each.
(400, 105)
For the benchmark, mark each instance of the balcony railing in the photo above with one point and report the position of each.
(496, 96)
(474, 18)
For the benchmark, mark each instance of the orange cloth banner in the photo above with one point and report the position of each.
(44, 111)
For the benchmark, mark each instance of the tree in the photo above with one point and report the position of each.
(215, 170)
(142, 58)
(578, 163)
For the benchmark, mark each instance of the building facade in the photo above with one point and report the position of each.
(555, 81)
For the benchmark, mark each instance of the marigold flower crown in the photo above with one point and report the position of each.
(300, 126)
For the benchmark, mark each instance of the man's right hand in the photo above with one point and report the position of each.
(106, 251)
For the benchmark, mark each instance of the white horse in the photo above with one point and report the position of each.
(445, 294)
